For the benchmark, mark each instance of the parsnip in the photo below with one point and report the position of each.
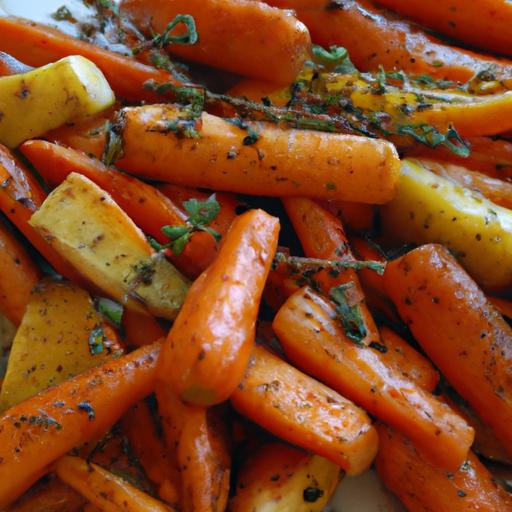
(84, 224)
(428, 208)
(43, 99)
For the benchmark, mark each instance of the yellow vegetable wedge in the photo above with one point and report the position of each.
(43, 99)
(428, 208)
(280, 478)
(53, 342)
(83, 223)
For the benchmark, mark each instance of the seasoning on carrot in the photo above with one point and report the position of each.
(212, 344)
(464, 336)
(260, 160)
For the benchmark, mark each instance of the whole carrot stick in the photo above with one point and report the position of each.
(18, 276)
(322, 236)
(315, 341)
(265, 160)
(480, 23)
(464, 336)
(38, 431)
(213, 335)
(374, 38)
(38, 45)
(20, 197)
(304, 412)
(270, 43)
(107, 491)
(197, 444)
(422, 486)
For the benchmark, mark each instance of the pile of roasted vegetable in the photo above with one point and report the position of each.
(249, 248)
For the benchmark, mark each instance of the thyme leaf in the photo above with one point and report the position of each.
(349, 315)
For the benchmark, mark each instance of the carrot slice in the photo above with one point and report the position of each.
(464, 336)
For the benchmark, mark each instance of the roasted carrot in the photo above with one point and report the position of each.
(279, 163)
(502, 305)
(464, 336)
(355, 216)
(496, 190)
(256, 90)
(52, 496)
(405, 360)
(211, 345)
(20, 196)
(422, 486)
(196, 440)
(267, 43)
(150, 449)
(141, 329)
(107, 491)
(374, 38)
(10, 66)
(304, 412)
(322, 236)
(315, 341)
(36, 432)
(18, 276)
(481, 23)
(38, 45)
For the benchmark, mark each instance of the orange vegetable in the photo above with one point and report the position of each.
(322, 236)
(199, 447)
(18, 275)
(243, 36)
(38, 45)
(374, 38)
(213, 335)
(479, 23)
(38, 431)
(502, 305)
(315, 341)
(280, 163)
(422, 487)
(496, 190)
(141, 329)
(355, 216)
(304, 412)
(19, 199)
(464, 336)
(10, 66)
(107, 491)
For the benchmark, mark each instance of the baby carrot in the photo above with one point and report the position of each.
(18, 276)
(464, 336)
(322, 236)
(373, 38)
(265, 160)
(107, 491)
(38, 431)
(211, 345)
(315, 341)
(422, 486)
(480, 23)
(266, 43)
(38, 45)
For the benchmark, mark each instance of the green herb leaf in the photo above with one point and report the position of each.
(111, 310)
(202, 213)
(62, 14)
(350, 316)
(178, 245)
(212, 232)
(175, 232)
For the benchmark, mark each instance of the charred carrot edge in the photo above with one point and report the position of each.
(468, 341)
(18, 201)
(18, 275)
(374, 38)
(421, 485)
(315, 341)
(212, 345)
(277, 162)
(271, 44)
(323, 236)
(104, 489)
(304, 412)
(200, 451)
(481, 23)
(38, 45)
(38, 431)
